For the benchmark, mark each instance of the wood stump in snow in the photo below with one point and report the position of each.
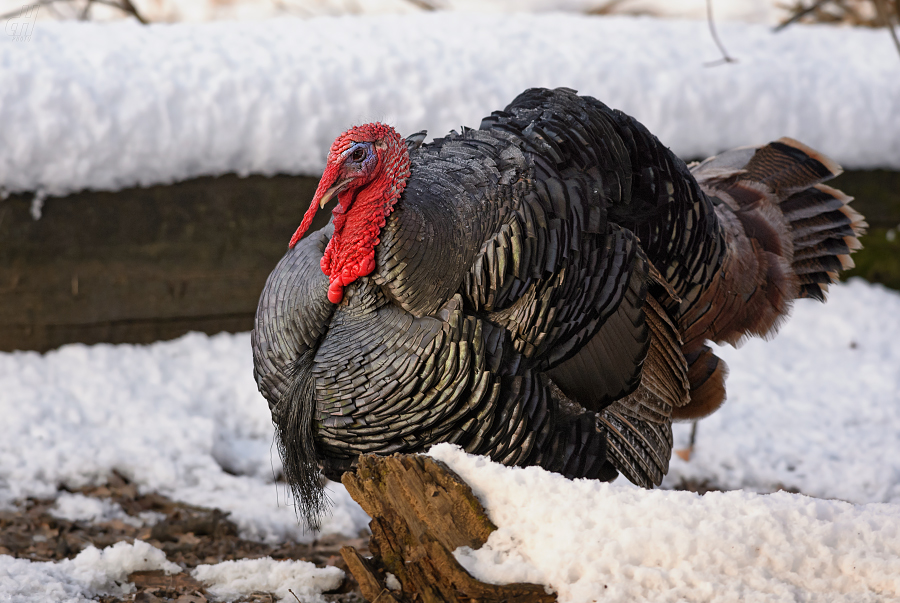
(421, 511)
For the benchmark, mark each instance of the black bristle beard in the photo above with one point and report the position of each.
(294, 427)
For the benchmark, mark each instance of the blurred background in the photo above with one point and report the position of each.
(771, 12)
(143, 261)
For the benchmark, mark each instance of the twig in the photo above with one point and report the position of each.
(712, 29)
(87, 9)
(302, 10)
(423, 4)
(384, 590)
(131, 8)
(123, 5)
(28, 7)
(295, 596)
(883, 14)
(606, 8)
(799, 15)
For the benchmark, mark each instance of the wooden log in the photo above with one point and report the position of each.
(143, 264)
(421, 512)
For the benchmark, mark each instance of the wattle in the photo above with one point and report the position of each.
(360, 215)
(346, 274)
(335, 292)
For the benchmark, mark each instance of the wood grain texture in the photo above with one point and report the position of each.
(421, 512)
(143, 264)
(154, 263)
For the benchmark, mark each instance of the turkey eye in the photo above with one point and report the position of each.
(358, 155)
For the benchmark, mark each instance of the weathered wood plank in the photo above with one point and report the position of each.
(153, 263)
(143, 264)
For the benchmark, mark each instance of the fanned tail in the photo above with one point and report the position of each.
(825, 231)
(787, 236)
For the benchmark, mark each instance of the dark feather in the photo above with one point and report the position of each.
(543, 293)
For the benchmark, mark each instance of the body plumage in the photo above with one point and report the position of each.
(539, 290)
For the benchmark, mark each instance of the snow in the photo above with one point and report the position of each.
(232, 579)
(78, 507)
(815, 410)
(589, 541)
(182, 418)
(112, 105)
(93, 572)
(391, 581)
(758, 11)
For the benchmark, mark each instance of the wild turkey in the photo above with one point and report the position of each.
(539, 290)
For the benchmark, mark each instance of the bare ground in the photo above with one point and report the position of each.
(189, 536)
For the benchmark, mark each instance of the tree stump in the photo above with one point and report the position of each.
(421, 512)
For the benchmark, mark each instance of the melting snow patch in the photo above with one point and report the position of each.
(93, 572)
(78, 507)
(231, 579)
(161, 415)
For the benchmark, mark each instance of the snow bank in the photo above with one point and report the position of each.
(182, 418)
(816, 410)
(591, 541)
(106, 106)
(93, 572)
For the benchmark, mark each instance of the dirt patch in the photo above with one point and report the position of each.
(189, 536)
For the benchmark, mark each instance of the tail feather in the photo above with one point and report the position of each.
(824, 231)
(835, 247)
(845, 234)
(812, 202)
(824, 222)
(706, 376)
(789, 165)
(787, 236)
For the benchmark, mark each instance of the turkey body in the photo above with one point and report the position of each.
(542, 294)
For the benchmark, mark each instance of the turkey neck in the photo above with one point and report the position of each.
(429, 242)
(358, 219)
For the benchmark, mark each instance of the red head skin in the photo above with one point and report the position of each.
(367, 169)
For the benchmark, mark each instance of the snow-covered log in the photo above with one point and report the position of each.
(421, 512)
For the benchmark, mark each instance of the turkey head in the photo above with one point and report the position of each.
(367, 169)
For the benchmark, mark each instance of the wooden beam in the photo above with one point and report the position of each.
(144, 264)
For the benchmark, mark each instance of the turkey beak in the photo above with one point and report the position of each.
(320, 200)
(332, 191)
